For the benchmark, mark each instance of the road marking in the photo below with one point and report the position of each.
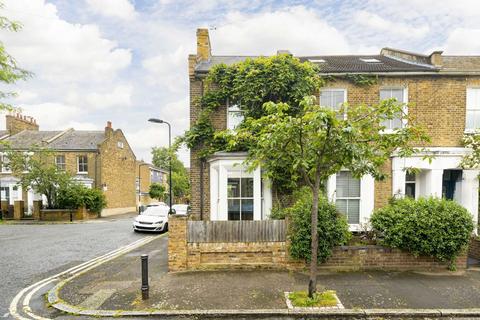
(72, 273)
(97, 299)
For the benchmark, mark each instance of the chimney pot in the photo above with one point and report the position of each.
(109, 124)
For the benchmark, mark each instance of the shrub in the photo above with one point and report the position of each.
(332, 227)
(429, 226)
(77, 195)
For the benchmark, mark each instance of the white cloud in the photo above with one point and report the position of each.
(120, 96)
(298, 29)
(374, 22)
(463, 41)
(57, 50)
(122, 9)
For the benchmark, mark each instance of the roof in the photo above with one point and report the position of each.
(461, 63)
(388, 61)
(78, 140)
(57, 140)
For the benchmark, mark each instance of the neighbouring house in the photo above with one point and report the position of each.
(146, 175)
(442, 92)
(98, 159)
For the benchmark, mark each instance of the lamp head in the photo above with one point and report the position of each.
(154, 120)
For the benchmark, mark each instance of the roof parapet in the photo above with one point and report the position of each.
(412, 57)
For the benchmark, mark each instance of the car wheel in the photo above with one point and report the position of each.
(165, 228)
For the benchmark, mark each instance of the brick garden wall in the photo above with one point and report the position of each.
(184, 256)
(474, 248)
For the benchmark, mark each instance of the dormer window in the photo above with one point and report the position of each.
(317, 60)
(234, 117)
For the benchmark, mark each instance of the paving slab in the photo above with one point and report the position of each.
(264, 289)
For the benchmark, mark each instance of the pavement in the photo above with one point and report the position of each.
(31, 252)
(115, 285)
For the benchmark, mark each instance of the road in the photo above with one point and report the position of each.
(29, 253)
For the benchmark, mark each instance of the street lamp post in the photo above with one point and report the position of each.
(154, 120)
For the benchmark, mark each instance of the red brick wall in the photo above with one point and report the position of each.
(474, 248)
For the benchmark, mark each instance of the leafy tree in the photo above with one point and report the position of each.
(157, 191)
(180, 180)
(37, 170)
(10, 72)
(316, 144)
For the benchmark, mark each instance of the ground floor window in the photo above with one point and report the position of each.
(240, 198)
(348, 196)
(410, 185)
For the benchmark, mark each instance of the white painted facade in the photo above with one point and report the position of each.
(228, 165)
(428, 182)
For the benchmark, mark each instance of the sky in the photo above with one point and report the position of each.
(125, 61)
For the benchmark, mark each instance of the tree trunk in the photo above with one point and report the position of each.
(312, 284)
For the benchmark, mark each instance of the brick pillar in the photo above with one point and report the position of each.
(177, 243)
(18, 207)
(4, 206)
(37, 206)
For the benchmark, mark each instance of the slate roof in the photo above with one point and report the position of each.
(334, 64)
(78, 140)
(69, 140)
(358, 63)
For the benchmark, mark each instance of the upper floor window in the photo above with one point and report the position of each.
(60, 162)
(5, 163)
(234, 117)
(473, 109)
(333, 99)
(399, 95)
(348, 196)
(82, 164)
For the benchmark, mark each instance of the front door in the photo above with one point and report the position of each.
(450, 184)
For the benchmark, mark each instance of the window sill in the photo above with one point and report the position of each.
(83, 172)
(471, 131)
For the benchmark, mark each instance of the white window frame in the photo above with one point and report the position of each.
(7, 168)
(64, 162)
(219, 173)
(367, 198)
(405, 104)
(78, 164)
(470, 130)
(238, 110)
(414, 182)
(345, 95)
(241, 174)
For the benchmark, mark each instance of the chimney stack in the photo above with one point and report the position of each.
(204, 50)
(17, 122)
(108, 129)
(436, 58)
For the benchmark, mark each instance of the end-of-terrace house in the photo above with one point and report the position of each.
(442, 92)
(146, 175)
(98, 159)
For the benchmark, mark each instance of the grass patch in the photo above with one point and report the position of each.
(321, 299)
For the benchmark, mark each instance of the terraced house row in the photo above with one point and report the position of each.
(442, 93)
(98, 159)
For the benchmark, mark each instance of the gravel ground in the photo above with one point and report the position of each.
(31, 252)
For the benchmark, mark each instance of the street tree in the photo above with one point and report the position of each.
(316, 143)
(36, 169)
(10, 72)
(157, 191)
(180, 179)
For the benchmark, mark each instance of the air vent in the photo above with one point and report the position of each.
(370, 60)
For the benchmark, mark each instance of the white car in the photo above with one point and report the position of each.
(181, 209)
(154, 218)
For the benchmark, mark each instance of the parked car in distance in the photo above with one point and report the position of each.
(181, 209)
(154, 218)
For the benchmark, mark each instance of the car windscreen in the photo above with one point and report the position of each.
(156, 211)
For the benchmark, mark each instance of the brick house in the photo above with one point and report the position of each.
(146, 175)
(442, 92)
(98, 159)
